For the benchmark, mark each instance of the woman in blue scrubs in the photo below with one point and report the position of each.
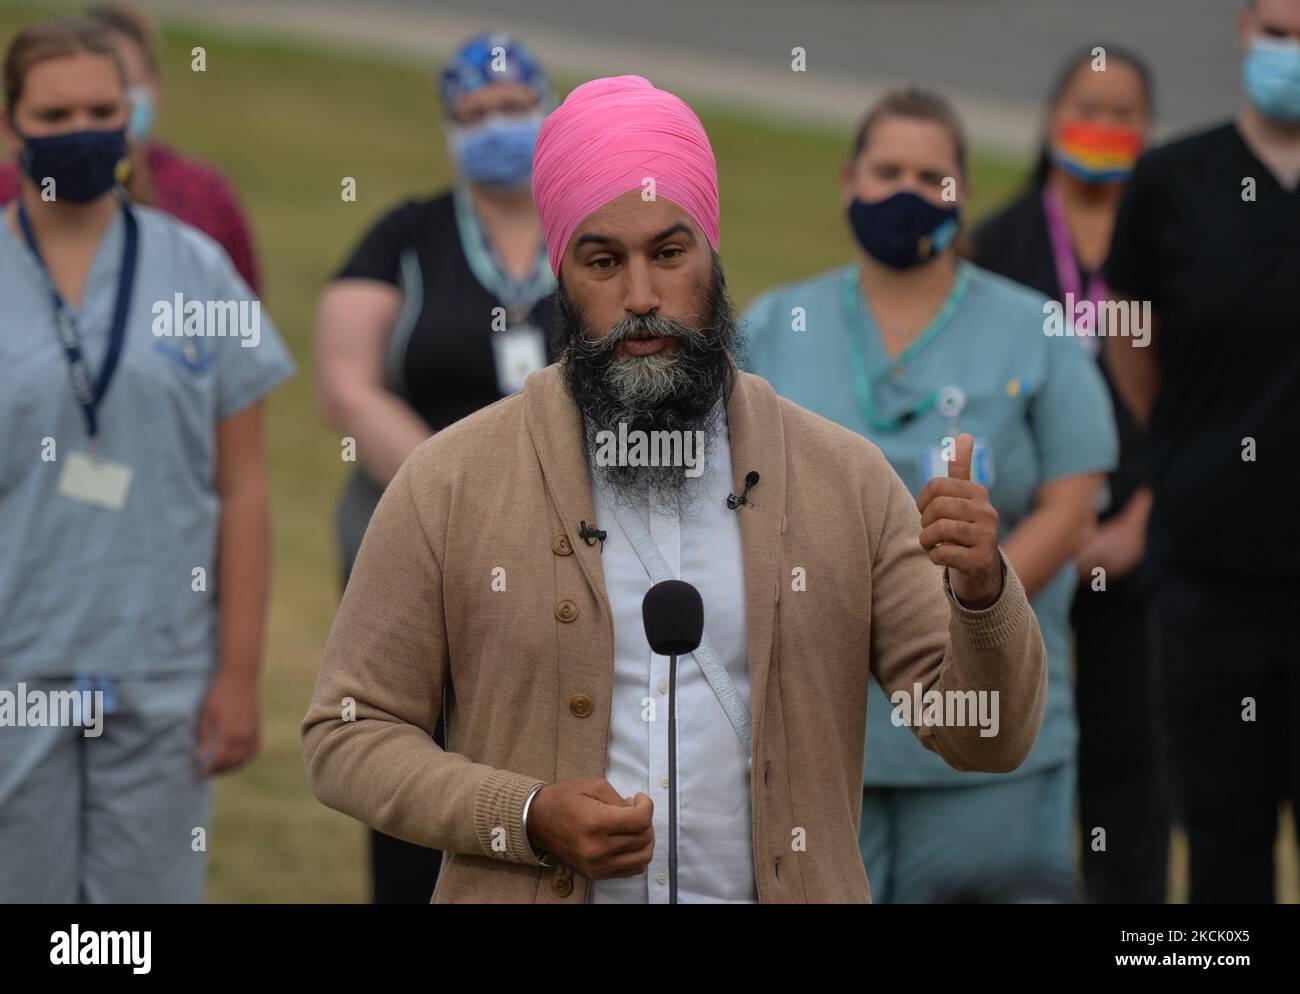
(910, 346)
(133, 363)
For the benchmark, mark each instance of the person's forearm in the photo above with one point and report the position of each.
(1045, 541)
(1138, 509)
(1131, 521)
(1135, 372)
(385, 428)
(368, 732)
(244, 564)
(998, 651)
(921, 635)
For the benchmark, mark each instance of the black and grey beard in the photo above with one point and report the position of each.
(682, 389)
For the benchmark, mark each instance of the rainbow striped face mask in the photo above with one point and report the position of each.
(1097, 153)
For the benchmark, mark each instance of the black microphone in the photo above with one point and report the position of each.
(589, 534)
(673, 612)
(751, 479)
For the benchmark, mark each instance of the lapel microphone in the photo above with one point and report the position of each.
(751, 480)
(589, 533)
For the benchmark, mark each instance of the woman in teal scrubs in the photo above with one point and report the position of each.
(910, 346)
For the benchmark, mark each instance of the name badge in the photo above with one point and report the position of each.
(96, 482)
(931, 464)
(519, 350)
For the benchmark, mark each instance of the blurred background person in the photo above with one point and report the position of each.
(183, 186)
(1054, 238)
(909, 346)
(1208, 233)
(134, 516)
(443, 308)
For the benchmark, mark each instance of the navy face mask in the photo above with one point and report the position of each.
(83, 164)
(904, 230)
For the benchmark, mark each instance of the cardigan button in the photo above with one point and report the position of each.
(566, 610)
(560, 545)
(561, 884)
(580, 705)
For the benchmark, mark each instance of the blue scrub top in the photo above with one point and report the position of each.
(87, 591)
(1036, 405)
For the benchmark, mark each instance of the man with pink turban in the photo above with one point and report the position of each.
(504, 570)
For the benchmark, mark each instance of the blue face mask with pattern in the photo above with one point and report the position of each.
(1271, 71)
(498, 151)
(904, 230)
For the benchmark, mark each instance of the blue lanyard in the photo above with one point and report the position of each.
(89, 398)
(518, 296)
(854, 323)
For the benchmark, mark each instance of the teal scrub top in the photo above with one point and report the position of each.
(1036, 406)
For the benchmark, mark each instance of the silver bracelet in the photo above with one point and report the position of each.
(541, 857)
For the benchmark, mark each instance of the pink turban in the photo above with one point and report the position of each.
(607, 136)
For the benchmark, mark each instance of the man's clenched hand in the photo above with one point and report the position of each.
(590, 827)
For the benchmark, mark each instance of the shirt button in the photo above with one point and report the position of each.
(663, 781)
(661, 879)
(566, 610)
(561, 885)
(580, 705)
(560, 545)
(663, 686)
(663, 499)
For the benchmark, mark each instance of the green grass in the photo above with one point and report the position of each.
(286, 124)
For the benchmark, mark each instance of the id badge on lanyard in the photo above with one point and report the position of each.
(519, 350)
(933, 461)
(86, 477)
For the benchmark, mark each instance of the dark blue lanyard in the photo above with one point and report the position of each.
(89, 398)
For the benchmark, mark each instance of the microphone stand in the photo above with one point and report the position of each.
(672, 778)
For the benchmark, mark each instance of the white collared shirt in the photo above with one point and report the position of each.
(702, 546)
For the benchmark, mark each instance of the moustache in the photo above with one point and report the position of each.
(636, 326)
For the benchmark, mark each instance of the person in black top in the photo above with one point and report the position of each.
(444, 307)
(1054, 238)
(1209, 234)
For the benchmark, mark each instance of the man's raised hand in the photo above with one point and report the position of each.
(959, 530)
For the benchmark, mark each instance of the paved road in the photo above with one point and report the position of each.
(995, 57)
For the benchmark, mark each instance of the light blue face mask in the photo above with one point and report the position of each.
(1271, 71)
(499, 151)
(142, 110)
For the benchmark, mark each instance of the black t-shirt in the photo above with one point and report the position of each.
(1015, 243)
(1223, 277)
(440, 355)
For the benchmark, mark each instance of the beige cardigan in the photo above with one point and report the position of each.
(495, 500)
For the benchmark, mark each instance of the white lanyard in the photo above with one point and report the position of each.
(714, 672)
